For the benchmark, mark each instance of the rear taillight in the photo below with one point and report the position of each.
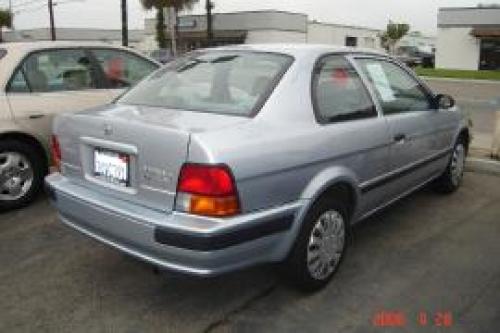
(55, 151)
(207, 190)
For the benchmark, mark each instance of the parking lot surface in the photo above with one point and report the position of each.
(430, 254)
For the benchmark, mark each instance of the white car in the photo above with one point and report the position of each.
(41, 79)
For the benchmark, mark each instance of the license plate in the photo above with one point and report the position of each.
(111, 167)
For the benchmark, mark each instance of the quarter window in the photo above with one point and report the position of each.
(55, 70)
(339, 93)
(18, 83)
(123, 69)
(396, 89)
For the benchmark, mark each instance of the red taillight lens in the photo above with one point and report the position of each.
(55, 150)
(207, 190)
(206, 180)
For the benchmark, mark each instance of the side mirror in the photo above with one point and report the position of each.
(444, 102)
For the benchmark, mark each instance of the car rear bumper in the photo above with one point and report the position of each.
(176, 241)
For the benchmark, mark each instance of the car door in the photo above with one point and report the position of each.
(353, 133)
(408, 109)
(50, 82)
(122, 69)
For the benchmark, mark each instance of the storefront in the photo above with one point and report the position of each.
(469, 38)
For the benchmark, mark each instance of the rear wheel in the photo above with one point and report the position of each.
(320, 246)
(21, 174)
(452, 178)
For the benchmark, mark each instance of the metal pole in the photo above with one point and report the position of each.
(210, 31)
(52, 25)
(11, 11)
(171, 27)
(124, 23)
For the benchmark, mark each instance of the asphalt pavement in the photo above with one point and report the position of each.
(429, 263)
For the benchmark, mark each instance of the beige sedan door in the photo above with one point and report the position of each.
(52, 82)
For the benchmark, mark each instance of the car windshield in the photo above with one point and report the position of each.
(214, 81)
(3, 53)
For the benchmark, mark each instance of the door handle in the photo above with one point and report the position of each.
(400, 138)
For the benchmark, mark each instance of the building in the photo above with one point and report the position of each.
(269, 26)
(468, 38)
(346, 35)
(113, 37)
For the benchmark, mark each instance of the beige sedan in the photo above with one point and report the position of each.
(42, 79)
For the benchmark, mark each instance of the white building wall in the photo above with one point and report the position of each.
(457, 49)
(275, 36)
(319, 33)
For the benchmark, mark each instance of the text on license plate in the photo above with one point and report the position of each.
(112, 167)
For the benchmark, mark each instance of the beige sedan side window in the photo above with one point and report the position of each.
(55, 70)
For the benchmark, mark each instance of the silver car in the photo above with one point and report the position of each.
(237, 156)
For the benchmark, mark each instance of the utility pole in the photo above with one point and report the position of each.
(124, 23)
(210, 31)
(172, 21)
(52, 25)
(11, 11)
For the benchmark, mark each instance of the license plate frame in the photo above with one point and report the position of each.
(112, 167)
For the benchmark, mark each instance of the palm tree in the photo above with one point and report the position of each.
(5, 20)
(392, 35)
(160, 5)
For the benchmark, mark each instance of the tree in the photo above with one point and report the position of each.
(5, 21)
(393, 34)
(160, 5)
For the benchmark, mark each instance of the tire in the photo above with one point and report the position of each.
(22, 169)
(452, 177)
(306, 255)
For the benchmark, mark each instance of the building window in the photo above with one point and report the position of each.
(351, 41)
(490, 54)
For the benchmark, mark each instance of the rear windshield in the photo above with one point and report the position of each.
(224, 82)
(3, 52)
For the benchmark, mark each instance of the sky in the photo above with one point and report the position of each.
(420, 14)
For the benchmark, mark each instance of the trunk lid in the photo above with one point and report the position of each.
(154, 140)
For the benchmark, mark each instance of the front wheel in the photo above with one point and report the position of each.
(452, 178)
(319, 247)
(21, 174)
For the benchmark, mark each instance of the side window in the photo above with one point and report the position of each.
(123, 69)
(397, 90)
(54, 70)
(18, 83)
(339, 93)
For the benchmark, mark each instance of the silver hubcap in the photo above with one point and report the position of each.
(326, 245)
(16, 176)
(457, 164)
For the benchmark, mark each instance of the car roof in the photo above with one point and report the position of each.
(43, 45)
(298, 49)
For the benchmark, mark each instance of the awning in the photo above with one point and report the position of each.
(485, 32)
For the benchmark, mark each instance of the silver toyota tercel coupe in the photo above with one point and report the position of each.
(236, 156)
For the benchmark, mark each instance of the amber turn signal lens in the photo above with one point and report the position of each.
(213, 206)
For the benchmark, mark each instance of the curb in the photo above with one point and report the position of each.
(449, 79)
(482, 165)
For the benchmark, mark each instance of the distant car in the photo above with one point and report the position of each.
(236, 156)
(413, 56)
(162, 55)
(41, 79)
